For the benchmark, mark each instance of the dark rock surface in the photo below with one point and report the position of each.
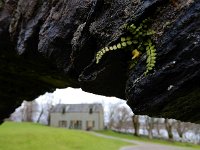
(52, 44)
(173, 88)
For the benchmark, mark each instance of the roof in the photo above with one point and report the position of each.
(64, 108)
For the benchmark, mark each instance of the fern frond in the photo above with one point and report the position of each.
(140, 39)
(125, 41)
(151, 57)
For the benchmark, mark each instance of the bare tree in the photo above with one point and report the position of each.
(181, 128)
(34, 112)
(150, 126)
(28, 110)
(169, 126)
(119, 116)
(112, 114)
(49, 107)
(41, 113)
(46, 106)
(122, 118)
(136, 124)
(17, 115)
(157, 124)
(196, 130)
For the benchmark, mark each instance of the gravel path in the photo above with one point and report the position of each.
(142, 145)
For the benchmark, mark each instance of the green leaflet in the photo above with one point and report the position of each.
(139, 37)
(119, 45)
(129, 42)
(123, 39)
(124, 44)
(151, 57)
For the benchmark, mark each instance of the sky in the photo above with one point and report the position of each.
(77, 96)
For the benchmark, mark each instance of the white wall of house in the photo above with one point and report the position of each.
(95, 119)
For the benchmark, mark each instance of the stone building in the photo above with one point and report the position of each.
(78, 116)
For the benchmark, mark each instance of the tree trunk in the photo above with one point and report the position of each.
(168, 126)
(41, 113)
(150, 126)
(136, 124)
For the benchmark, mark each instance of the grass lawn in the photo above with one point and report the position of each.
(145, 139)
(29, 136)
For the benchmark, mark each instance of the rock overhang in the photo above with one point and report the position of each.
(48, 45)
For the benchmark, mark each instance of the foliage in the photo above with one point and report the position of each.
(138, 40)
(151, 56)
(23, 136)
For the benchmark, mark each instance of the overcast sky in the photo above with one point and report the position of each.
(75, 96)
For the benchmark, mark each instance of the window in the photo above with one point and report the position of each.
(75, 124)
(62, 124)
(90, 124)
(63, 110)
(90, 111)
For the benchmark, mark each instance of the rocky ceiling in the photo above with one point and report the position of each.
(52, 44)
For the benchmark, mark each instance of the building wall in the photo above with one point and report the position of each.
(84, 117)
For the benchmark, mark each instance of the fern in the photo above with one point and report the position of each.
(125, 41)
(139, 39)
(151, 56)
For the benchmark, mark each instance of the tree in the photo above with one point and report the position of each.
(49, 106)
(112, 114)
(17, 115)
(49, 109)
(157, 124)
(136, 124)
(41, 113)
(35, 112)
(150, 126)
(181, 128)
(169, 126)
(46, 106)
(122, 117)
(119, 116)
(29, 110)
(196, 130)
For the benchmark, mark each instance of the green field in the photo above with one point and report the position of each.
(145, 139)
(29, 136)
